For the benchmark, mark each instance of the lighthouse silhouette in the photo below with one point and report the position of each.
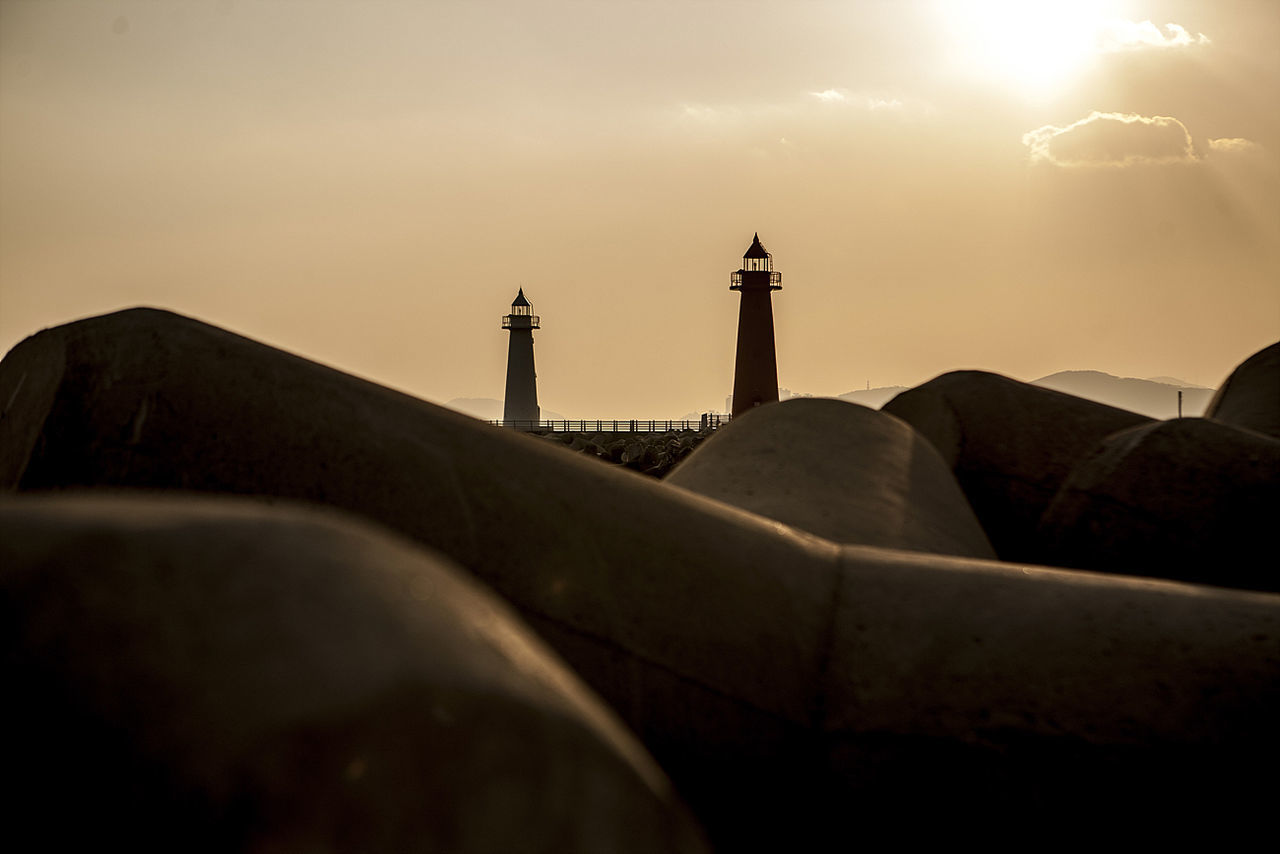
(520, 404)
(755, 372)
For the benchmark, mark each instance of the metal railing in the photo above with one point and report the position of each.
(632, 425)
(735, 279)
(520, 321)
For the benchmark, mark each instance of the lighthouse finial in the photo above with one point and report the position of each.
(756, 249)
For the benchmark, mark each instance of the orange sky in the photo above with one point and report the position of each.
(1015, 186)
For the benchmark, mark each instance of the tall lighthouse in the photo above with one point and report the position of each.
(755, 372)
(520, 403)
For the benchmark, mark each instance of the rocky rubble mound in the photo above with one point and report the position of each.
(798, 693)
(654, 454)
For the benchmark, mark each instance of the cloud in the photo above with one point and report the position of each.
(884, 104)
(1233, 145)
(830, 96)
(1119, 35)
(1112, 139)
(866, 102)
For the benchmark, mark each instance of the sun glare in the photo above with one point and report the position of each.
(1035, 47)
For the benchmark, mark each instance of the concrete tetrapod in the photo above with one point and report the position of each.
(838, 470)
(1250, 397)
(1188, 499)
(1010, 445)
(219, 674)
(795, 692)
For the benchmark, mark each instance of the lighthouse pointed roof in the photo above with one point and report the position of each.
(520, 299)
(756, 249)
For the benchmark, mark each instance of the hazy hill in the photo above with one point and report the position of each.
(488, 409)
(1157, 397)
(1177, 383)
(873, 397)
(484, 408)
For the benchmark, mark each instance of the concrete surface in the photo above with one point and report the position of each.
(1250, 397)
(1010, 445)
(838, 470)
(1188, 499)
(795, 691)
(219, 674)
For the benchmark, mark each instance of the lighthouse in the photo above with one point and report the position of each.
(520, 405)
(755, 372)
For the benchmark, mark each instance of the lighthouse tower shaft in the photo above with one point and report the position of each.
(520, 402)
(755, 374)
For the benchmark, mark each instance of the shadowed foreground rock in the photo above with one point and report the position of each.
(1188, 499)
(838, 470)
(796, 692)
(1250, 397)
(1010, 444)
(210, 674)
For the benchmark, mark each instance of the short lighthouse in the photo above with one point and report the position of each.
(520, 404)
(755, 372)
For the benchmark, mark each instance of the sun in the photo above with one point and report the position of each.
(1034, 47)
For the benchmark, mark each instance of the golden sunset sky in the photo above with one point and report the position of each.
(1023, 187)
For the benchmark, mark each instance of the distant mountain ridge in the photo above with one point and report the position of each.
(1174, 381)
(484, 408)
(488, 409)
(873, 398)
(1155, 398)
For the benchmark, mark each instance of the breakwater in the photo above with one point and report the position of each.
(650, 453)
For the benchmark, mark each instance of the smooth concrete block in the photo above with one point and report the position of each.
(154, 400)
(1020, 702)
(838, 470)
(604, 563)
(1010, 445)
(770, 672)
(1250, 397)
(1187, 499)
(188, 673)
